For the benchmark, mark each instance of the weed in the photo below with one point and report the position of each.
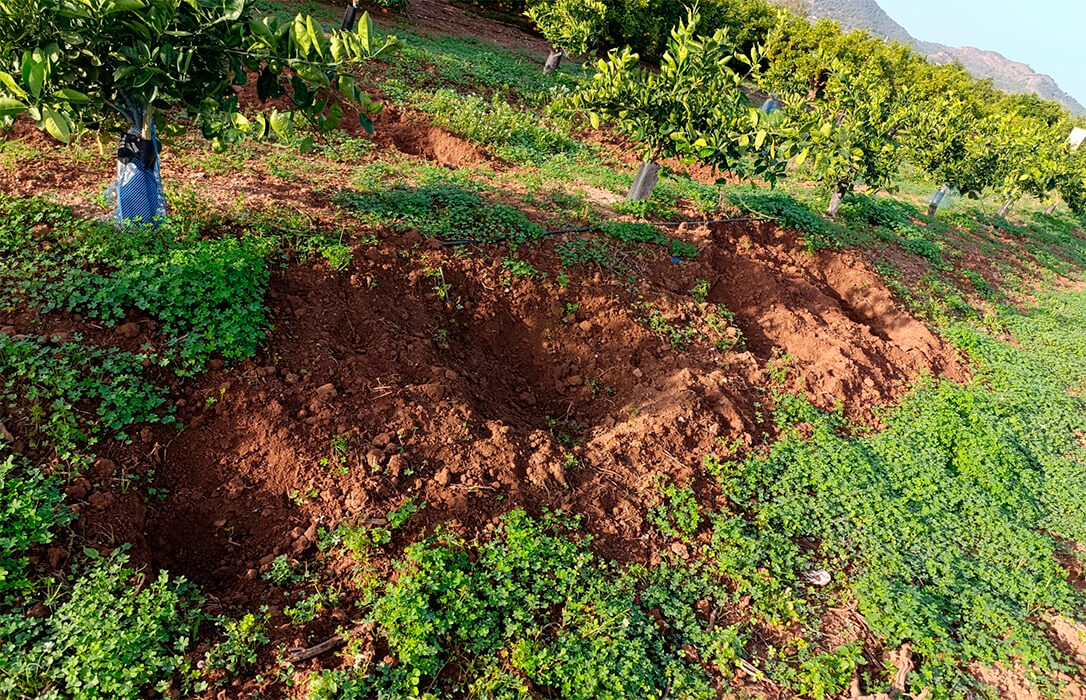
(115, 635)
(283, 573)
(309, 606)
(48, 380)
(30, 509)
(443, 206)
(243, 639)
(700, 291)
(340, 453)
(677, 514)
(518, 269)
(677, 333)
(818, 232)
(512, 134)
(303, 495)
(632, 233)
(491, 608)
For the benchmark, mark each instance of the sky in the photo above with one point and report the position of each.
(1049, 35)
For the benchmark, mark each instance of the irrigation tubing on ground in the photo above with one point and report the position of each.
(587, 229)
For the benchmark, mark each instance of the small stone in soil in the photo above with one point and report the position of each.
(326, 392)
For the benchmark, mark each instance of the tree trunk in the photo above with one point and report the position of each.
(835, 201)
(553, 61)
(645, 182)
(1006, 208)
(936, 200)
(147, 128)
(349, 17)
(1052, 207)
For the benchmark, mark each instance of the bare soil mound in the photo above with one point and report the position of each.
(499, 395)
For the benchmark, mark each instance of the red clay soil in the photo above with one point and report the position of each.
(499, 396)
(482, 418)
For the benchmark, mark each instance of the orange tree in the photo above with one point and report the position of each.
(71, 65)
(692, 107)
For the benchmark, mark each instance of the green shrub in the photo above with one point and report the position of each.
(111, 638)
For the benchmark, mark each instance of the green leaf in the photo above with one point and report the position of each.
(299, 33)
(282, 124)
(261, 130)
(72, 97)
(113, 6)
(240, 122)
(366, 32)
(10, 107)
(311, 74)
(233, 10)
(9, 82)
(34, 71)
(57, 124)
(316, 34)
(366, 123)
(594, 120)
(759, 139)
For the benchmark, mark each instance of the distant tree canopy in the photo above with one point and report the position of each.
(859, 106)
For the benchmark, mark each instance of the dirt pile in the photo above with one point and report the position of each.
(507, 393)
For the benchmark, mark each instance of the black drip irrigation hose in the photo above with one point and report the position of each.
(588, 229)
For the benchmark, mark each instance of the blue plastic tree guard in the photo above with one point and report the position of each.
(137, 191)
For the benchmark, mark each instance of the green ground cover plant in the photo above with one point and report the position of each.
(440, 205)
(207, 293)
(30, 509)
(488, 607)
(471, 64)
(53, 382)
(790, 213)
(518, 136)
(109, 638)
(950, 520)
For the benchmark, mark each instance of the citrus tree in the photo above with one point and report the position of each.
(1071, 180)
(72, 65)
(954, 146)
(691, 107)
(864, 111)
(571, 27)
(793, 55)
(1031, 158)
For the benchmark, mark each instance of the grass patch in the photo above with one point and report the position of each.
(440, 205)
(514, 135)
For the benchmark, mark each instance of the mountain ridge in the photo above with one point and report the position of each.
(1006, 74)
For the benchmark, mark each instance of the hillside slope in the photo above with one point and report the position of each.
(1008, 75)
